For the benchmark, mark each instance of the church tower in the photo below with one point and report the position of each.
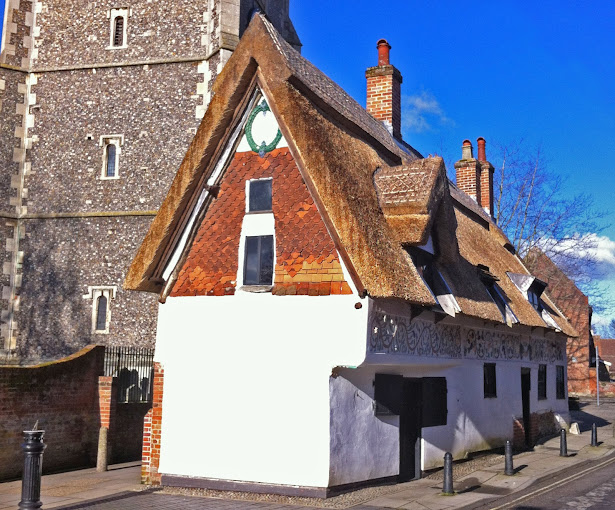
(99, 101)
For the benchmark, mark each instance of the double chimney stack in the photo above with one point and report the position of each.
(474, 176)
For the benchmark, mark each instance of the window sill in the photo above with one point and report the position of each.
(100, 332)
(256, 289)
(116, 47)
(268, 211)
(491, 396)
(110, 178)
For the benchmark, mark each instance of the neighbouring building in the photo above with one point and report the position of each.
(575, 306)
(98, 103)
(344, 312)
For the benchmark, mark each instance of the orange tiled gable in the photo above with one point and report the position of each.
(306, 259)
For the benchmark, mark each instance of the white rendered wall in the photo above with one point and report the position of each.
(246, 385)
(365, 446)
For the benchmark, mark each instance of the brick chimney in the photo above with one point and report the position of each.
(486, 178)
(384, 91)
(468, 172)
(475, 176)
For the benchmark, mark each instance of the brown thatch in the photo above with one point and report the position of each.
(375, 195)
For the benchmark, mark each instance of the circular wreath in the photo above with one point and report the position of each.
(263, 148)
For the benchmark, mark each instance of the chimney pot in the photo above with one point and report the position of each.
(481, 149)
(383, 52)
(467, 151)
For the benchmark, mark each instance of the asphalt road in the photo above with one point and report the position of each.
(588, 487)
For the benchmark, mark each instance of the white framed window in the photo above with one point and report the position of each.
(257, 242)
(118, 25)
(101, 297)
(112, 147)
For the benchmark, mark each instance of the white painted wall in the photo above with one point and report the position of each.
(246, 386)
(364, 446)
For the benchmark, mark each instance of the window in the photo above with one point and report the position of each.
(118, 21)
(101, 311)
(259, 195)
(111, 145)
(489, 380)
(110, 160)
(258, 263)
(542, 382)
(560, 388)
(118, 31)
(425, 265)
(532, 297)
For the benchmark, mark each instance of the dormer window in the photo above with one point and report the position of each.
(532, 297)
(118, 22)
(425, 266)
(490, 282)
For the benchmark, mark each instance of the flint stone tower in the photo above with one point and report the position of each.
(98, 103)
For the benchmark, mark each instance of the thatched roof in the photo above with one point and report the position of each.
(376, 195)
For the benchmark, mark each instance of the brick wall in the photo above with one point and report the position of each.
(63, 397)
(542, 425)
(152, 432)
(306, 259)
(575, 306)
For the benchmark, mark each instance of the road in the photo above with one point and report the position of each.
(588, 487)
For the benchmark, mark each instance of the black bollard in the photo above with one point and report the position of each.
(508, 459)
(33, 448)
(563, 444)
(594, 435)
(447, 488)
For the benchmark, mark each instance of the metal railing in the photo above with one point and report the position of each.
(134, 370)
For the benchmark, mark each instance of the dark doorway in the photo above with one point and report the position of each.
(526, 386)
(410, 422)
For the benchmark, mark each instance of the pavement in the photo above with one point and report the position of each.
(120, 488)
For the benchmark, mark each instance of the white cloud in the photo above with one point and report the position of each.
(600, 250)
(421, 111)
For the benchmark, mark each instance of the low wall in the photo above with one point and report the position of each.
(63, 397)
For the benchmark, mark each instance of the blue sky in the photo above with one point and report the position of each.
(543, 72)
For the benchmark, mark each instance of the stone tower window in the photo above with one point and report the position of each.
(111, 145)
(101, 311)
(110, 160)
(118, 31)
(118, 23)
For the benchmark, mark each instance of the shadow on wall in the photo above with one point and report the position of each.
(63, 397)
(53, 319)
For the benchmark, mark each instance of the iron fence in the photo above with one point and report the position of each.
(134, 370)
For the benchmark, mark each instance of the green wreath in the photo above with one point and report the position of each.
(263, 148)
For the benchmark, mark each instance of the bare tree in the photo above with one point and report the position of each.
(532, 209)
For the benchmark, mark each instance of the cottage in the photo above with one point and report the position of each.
(333, 310)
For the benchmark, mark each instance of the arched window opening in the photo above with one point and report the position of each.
(111, 158)
(101, 313)
(118, 31)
